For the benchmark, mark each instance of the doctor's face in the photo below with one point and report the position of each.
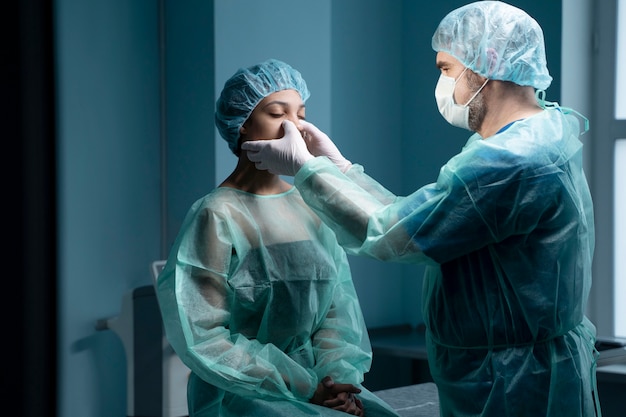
(266, 119)
(467, 83)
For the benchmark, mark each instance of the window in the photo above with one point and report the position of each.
(620, 67)
(619, 178)
(607, 163)
(619, 297)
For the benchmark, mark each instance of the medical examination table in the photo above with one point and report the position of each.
(418, 400)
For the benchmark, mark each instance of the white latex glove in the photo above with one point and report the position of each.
(284, 156)
(319, 144)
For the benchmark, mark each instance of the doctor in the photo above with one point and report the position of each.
(507, 228)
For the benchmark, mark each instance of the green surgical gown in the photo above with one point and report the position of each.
(507, 234)
(258, 301)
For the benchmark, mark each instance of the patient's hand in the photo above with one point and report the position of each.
(338, 397)
(347, 402)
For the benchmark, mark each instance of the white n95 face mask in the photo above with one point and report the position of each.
(456, 114)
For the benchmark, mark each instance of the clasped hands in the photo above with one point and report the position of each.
(340, 397)
(285, 156)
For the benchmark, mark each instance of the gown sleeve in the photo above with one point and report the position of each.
(341, 345)
(193, 294)
(367, 219)
(469, 206)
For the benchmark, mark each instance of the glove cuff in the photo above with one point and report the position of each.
(343, 165)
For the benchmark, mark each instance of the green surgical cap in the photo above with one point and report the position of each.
(497, 41)
(246, 88)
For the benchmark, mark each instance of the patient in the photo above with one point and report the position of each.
(257, 297)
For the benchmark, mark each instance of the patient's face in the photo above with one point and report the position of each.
(266, 119)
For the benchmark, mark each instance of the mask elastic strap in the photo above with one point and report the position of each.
(476, 93)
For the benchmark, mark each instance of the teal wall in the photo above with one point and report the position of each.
(135, 107)
(137, 145)
(108, 173)
(187, 135)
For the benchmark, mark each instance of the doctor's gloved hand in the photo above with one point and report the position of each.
(319, 144)
(284, 156)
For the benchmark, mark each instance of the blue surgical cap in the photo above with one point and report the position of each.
(246, 88)
(497, 41)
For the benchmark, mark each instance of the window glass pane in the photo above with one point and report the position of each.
(620, 73)
(620, 238)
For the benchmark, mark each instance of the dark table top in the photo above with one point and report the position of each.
(419, 400)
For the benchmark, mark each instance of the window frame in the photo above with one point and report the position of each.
(605, 130)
